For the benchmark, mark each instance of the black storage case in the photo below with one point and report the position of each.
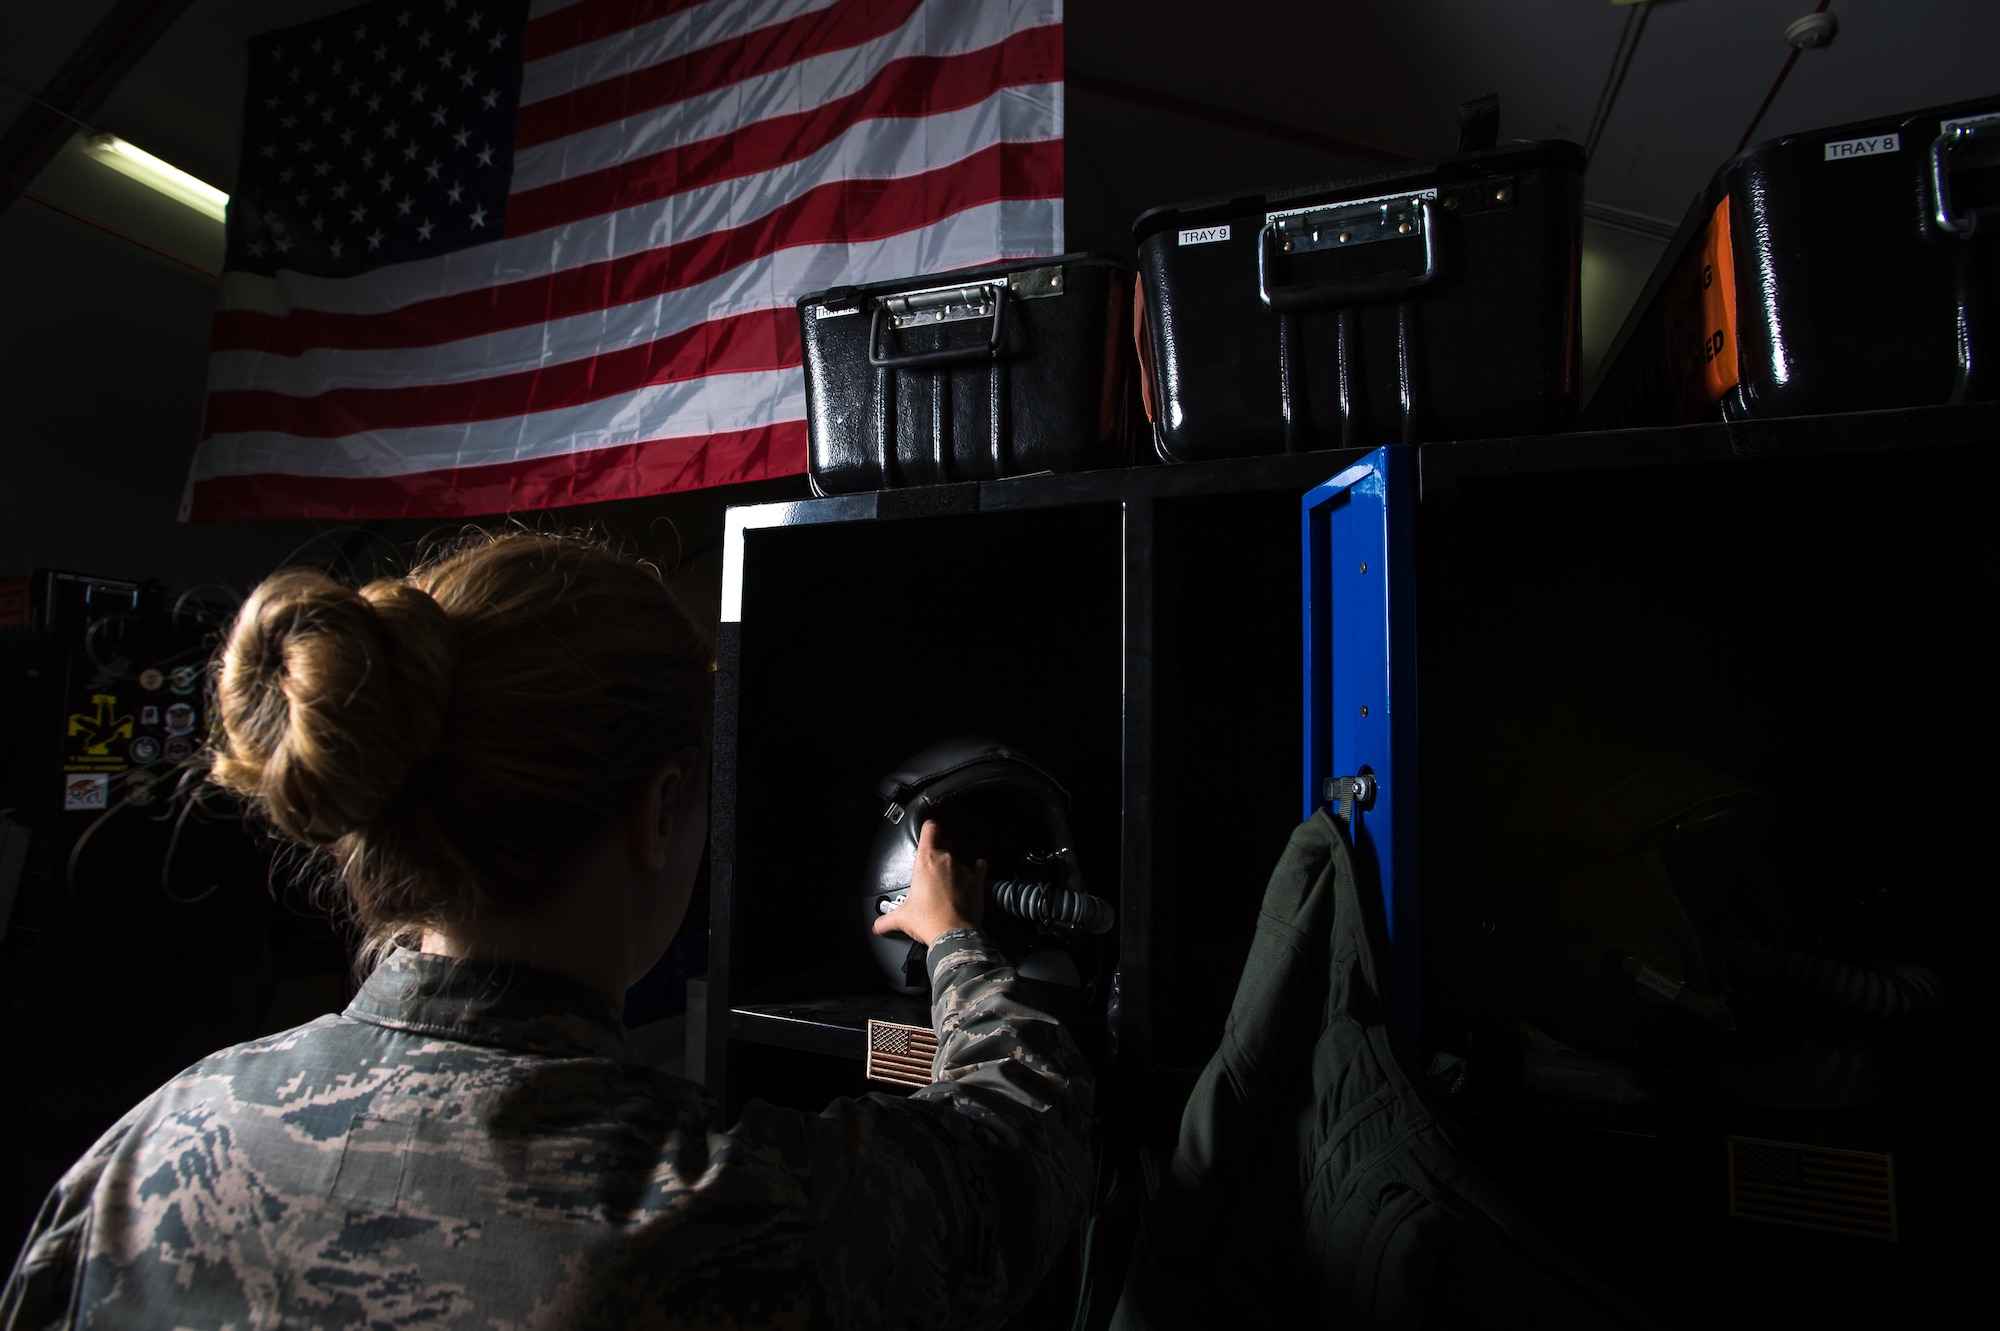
(970, 375)
(1436, 300)
(1815, 274)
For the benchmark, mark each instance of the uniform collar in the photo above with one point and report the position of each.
(494, 1003)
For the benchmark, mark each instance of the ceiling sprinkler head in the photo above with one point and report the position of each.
(1814, 30)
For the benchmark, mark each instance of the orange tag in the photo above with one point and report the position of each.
(1143, 343)
(1718, 306)
(1699, 309)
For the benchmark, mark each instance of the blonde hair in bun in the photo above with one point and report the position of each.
(329, 696)
(451, 737)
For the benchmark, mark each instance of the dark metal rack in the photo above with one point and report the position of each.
(1154, 509)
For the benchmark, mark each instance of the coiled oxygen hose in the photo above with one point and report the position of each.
(1050, 907)
(1039, 903)
(1887, 992)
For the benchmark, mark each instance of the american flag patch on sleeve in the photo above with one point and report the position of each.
(899, 1054)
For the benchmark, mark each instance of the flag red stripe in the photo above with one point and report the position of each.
(628, 471)
(573, 25)
(844, 25)
(915, 86)
(845, 211)
(760, 340)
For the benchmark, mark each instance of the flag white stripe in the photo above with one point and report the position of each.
(717, 404)
(1018, 114)
(651, 43)
(801, 87)
(772, 282)
(537, 8)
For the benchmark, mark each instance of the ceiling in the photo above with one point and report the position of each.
(1391, 74)
(1387, 75)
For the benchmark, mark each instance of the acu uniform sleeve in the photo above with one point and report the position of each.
(946, 1208)
(41, 1291)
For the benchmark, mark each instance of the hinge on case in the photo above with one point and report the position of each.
(1488, 194)
(1033, 283)
(1348, 791)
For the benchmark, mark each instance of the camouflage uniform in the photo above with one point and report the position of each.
(474, 1145)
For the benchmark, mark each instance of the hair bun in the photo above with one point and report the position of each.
(328, 697)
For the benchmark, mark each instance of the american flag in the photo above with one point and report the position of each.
(1813, 1187)
(487, 255)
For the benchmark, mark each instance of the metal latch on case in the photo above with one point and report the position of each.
(1343, 226)
(946, 306)
(1346, 225)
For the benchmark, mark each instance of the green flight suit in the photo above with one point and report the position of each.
(1312, 1186)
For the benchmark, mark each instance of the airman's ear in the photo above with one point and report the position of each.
(654, 816)
(656, 819)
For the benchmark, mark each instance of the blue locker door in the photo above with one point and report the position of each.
(1360, 690)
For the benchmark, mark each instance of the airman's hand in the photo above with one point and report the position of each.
(946, 893)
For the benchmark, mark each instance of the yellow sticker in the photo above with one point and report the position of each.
(98, 728)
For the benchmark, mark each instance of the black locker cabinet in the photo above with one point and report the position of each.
(1648, 709)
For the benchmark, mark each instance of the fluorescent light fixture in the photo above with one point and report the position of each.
(165, 177)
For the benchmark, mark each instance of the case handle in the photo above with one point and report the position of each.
(1956, 135)
(1300, 296)
(995, 338)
